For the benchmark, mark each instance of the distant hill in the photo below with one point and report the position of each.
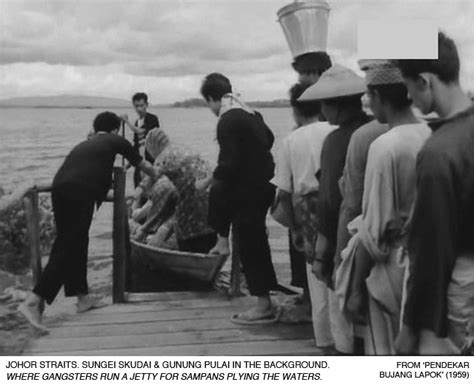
(190, 103)
(65, 101)
(198, 102)
(280, 103)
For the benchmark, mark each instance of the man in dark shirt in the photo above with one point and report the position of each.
(439, 304)
(143, 125)
(241, 192)
(339, 90)
(82, 181)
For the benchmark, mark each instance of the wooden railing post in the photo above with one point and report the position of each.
(31, 205)
(235, 272)
(119, 236)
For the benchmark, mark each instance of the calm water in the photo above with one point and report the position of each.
(34, 142)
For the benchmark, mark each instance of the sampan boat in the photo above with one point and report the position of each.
(202, 267)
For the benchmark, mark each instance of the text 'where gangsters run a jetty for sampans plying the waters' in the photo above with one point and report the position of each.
(166, 370)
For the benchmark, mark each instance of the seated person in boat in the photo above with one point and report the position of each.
(182, 168)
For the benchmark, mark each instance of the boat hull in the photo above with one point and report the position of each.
(203, 267)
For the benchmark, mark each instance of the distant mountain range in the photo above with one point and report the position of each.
(83, 101)
(197, 102)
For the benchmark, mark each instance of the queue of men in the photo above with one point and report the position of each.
(379, 209)
(386, 222)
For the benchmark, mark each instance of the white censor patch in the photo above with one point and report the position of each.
(387, 38)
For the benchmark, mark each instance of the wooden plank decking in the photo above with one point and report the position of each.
(172, 324)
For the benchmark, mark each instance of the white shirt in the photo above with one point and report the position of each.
(299, 159)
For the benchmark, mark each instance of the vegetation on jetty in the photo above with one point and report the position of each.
(14, 255)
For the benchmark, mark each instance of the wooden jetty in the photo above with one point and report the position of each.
(171, 324)
(158, 324)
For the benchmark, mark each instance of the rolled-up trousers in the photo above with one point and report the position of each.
(67, 264)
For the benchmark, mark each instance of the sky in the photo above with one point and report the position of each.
(115, 47)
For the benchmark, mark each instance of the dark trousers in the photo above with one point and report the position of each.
(298, 265)
(67, 263)
(248, 219)
(202, 244)
(221, 209)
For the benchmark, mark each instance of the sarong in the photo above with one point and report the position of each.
(385, 288)
(305, 212)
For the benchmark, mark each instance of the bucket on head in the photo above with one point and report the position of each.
(305, 25)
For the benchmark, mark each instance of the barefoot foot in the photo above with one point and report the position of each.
(86, 303)
(32, 313)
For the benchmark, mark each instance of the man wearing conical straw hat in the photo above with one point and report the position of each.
(389, 193)
(339, 89)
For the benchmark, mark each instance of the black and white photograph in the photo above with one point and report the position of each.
(237, 178)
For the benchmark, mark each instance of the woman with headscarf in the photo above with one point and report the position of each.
(183, 168)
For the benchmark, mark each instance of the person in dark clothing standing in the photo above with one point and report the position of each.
(143, 125)
(339, 90)
(241, 192)
(439, 309)
(340, 95)
(82, 181)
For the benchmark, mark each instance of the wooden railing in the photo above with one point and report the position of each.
(120, 235)
(31, 204)
(235, 272)
(120, 238)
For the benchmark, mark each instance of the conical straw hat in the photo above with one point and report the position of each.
(336, 82)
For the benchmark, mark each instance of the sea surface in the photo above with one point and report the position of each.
(35, 141)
